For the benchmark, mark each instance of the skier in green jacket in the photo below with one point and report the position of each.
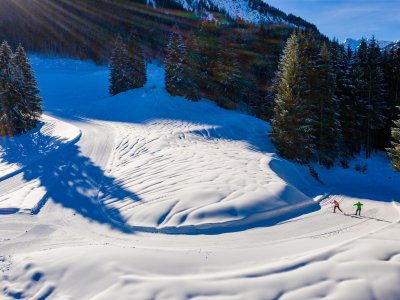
(359, 205)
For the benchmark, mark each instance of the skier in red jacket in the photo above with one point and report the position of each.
(336, 205)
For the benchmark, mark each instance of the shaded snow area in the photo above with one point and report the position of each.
(148, 196)
(19, 158)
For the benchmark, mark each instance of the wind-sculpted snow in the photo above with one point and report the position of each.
(190, 164)
(192, 174)
(162, 198)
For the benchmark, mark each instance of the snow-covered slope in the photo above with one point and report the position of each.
(236, 9)
(237, 216)
(179, 165)
(191, 164)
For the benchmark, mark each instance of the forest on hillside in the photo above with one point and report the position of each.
(88, 29)
(332, 104)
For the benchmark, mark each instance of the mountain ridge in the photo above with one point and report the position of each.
(353, 43)
(251, 11)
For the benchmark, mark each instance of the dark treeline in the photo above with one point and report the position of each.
(127, 66)
(332, 104)
(20, 104)
(87, 28)
(217, 64)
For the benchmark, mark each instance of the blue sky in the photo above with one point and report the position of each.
(348, 18)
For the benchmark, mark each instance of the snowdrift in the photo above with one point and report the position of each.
(191, 165)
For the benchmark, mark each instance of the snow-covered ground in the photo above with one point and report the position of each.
(19, 158)
(147, 196)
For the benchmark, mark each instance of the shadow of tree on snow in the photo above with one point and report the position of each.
(70, 179)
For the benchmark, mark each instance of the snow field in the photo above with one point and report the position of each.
(181, 176)
(19, 157)
(239, 219)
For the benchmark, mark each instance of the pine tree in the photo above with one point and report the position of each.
(291, 130)
(394, 152)
(369, 93)
(8, 95)
(341, 60)
(181, 72)
(311, 95)
(376, 98)
(391, 70)
(4, 75)
(191, 71)
(30, 103)
(120, 72)
(228, 77)
(175, 64)
(137, 66)
(328, 133)
(353, 112)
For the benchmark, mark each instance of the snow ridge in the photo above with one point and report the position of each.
(355, 43)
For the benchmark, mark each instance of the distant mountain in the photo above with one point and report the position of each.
(395, 46)
(355, 43)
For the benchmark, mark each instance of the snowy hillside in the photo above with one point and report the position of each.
(148, 196)
(249, 11)
(184, 164)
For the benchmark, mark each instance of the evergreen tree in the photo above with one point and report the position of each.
(376, 98)
(120, 71)
(391, 70)
(30, 103)
(10, 115)
(137, 66)
(227, 76)
(311, 95)
(191, 70)
(344, 92)
(353, 110)
(181, 72)
(20, 104)
(291, 132)
(175, 64)
(394, 152)
(305, 126)
(328, 133)
(369, 93)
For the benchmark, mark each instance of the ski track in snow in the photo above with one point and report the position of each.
(179, 171)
